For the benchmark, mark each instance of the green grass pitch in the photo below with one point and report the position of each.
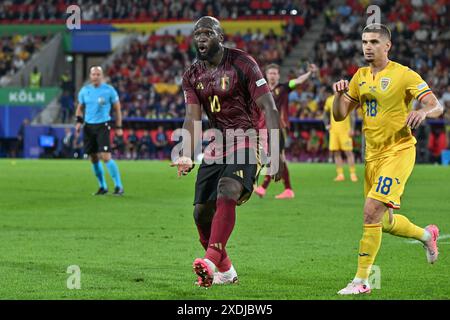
(142, 245)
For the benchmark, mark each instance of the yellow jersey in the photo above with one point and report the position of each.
(386, 100)
(343, 126)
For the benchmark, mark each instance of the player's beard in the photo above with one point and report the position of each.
(213, 49)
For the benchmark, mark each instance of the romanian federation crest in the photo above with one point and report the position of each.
(384, 83)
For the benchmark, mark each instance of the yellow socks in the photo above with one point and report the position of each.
(402, 227)
(352, 170)
(368, 249)
(340, 171)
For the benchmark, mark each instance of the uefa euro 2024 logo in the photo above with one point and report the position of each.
(101, 101)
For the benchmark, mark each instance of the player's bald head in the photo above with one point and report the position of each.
(208, 38)
(96, 75)
(210, 23)
(96, 69)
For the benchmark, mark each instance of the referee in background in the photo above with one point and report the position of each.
(93, 110)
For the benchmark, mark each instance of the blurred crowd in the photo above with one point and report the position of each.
(15, 51)
(151, 10)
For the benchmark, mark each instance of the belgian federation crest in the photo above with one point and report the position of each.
(384, 83)
(225, 82)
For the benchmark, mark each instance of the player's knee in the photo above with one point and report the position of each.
(203, 214)
(373, 212)
(106, 156)
(229, 188)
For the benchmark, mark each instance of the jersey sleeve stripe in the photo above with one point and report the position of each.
(351, 98)
(423, 94)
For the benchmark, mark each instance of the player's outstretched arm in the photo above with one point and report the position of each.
(185, 163)
(342, 105)
(312, 68)
(431, 109)
(266, 103)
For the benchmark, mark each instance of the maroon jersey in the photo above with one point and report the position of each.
(228, 92)
(281, 96)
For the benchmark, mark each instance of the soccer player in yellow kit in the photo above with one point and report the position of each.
(385, 90)
(340, 141)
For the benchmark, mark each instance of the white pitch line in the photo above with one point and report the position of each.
(441, 237)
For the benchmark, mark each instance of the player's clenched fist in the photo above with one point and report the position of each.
(340, 87)
(184, 165)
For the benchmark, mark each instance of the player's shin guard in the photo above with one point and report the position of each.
(114, 172)
(221, 228)
(402, 227)
(368, 249)
(100, 174)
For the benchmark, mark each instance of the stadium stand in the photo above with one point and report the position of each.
(16, 50)
(153, 10)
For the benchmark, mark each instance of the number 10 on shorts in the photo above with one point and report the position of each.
(384, 185)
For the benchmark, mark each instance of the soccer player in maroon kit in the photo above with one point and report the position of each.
(280, 93)
(230, 87)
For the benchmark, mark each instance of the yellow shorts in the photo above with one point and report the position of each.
(340, 141)
(385, 178)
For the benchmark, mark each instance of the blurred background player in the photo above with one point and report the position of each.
(280, 92)
(385, 89)
(95, 101)
(231, 88)
(341, 133)
(132, 145)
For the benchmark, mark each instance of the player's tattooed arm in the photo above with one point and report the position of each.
(342, 105)
(431, 109)
(353, 117)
